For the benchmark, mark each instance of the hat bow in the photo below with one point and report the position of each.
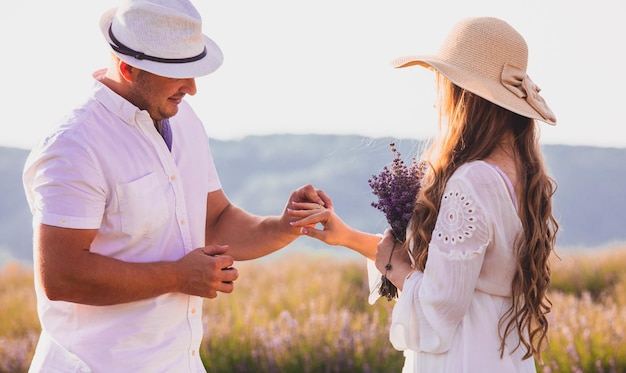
(517, 81)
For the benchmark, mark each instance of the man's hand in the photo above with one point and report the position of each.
(206, 271)
(307, 193)
(332, 230)
(306, 196)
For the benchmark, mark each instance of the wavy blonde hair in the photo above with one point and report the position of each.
(474, 128)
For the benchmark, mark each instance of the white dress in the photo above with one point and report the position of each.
(446, 318)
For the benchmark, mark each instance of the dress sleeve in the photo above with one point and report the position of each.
(433, 303)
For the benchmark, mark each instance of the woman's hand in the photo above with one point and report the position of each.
(392, 259)
(313, 215)
(321, 222)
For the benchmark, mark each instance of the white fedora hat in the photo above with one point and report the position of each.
(487, 57)
(163, 37)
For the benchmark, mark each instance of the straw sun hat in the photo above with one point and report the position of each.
(487, 57)
(163, 37)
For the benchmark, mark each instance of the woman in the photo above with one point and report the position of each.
(474, 270)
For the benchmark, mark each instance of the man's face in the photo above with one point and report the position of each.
(159, 95)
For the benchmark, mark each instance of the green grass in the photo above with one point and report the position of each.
(19, 327)
(306, 313)
(299, 314)
(592, 272)
(588, 321)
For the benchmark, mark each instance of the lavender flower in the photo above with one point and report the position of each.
(396, 188)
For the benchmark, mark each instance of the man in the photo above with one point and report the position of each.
(131, 226)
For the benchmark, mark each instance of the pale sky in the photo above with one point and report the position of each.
(324, 67)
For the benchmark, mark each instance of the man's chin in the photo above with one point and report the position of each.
(170, 113)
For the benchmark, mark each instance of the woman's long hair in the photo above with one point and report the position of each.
(474, 128)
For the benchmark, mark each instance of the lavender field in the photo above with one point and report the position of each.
(308, 313)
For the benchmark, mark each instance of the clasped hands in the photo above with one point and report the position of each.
(309, 214)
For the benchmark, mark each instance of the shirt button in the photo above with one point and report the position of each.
(193, 311)
(193, 352)
(182, 221)
(173, 177)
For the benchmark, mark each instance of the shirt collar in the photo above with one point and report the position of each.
(126, 111)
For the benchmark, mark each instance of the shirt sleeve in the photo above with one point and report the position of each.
(64, 186)
(433, 303)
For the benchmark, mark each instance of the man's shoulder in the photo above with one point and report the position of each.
(88, 114)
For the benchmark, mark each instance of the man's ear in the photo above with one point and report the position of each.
(127, 71)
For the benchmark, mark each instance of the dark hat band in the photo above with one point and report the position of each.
(121, 48)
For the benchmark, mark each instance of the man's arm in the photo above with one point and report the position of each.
(70, 272)
(251, 236)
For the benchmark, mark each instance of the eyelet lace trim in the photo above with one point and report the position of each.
(457, 219)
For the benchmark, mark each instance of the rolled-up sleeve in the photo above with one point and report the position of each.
(64, 185)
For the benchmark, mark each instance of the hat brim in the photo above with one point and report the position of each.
(486, 88)
(211, 62)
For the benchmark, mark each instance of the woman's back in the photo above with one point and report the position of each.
(447, 316)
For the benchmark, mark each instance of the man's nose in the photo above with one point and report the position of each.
(189, 86)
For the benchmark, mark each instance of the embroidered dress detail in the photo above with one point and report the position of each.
(458, 219)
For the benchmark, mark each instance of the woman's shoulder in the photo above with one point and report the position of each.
(475, 170)
(479, 176)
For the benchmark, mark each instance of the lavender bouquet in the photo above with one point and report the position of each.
(396, 188)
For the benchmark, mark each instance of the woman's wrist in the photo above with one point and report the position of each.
(362, 242)
(398, 273)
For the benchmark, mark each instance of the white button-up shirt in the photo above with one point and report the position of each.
(107, 168)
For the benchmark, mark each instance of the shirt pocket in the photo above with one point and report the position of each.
(143, 206)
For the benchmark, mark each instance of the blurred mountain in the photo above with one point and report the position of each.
(259, 172)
